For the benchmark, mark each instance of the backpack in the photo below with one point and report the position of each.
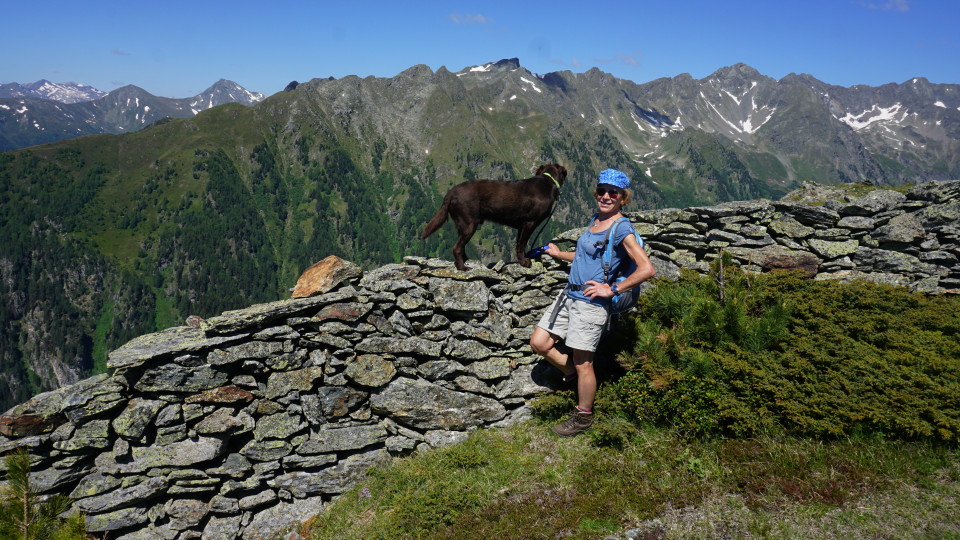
(624, 301)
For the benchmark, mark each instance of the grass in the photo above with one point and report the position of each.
(165, 314)
(839, 192)
(524, 482)
(100, 338)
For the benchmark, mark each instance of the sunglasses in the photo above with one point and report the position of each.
(612, 192)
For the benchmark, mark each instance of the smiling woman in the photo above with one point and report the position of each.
(580, 312)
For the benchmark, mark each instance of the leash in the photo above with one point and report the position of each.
(553, 206)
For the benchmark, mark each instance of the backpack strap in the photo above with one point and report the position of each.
(608, 249)
(558, 303)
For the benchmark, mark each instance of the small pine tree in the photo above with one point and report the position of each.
(25, 514)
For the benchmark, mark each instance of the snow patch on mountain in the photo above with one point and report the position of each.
(736, 99)
(661, 126)
(746, 121)
(875, 114)
(481, 69)
(532, 84)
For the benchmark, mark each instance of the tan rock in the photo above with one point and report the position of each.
(324, 275)
(779, 258)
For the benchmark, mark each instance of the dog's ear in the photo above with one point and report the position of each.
(540, 170)
(563, 172)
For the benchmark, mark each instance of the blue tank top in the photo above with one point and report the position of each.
(588, 260)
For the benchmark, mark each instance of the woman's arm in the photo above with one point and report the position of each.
(644, 269)
(554, 251)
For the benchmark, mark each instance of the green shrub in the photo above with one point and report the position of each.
(688, 403)
(612, 431)
(553, 405)
(866, 358)
(741, 354)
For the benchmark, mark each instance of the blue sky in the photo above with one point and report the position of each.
(178, 49)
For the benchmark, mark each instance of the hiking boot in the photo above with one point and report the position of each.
(578, 422)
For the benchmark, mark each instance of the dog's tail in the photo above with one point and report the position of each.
(438, 220)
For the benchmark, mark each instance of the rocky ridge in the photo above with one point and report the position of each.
(243, 424)
(63, 92)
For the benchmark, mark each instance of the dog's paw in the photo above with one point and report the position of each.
(524, 262)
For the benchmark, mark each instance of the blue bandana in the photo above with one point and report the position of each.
(614, 178)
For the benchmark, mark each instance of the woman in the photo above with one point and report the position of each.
(579, 314)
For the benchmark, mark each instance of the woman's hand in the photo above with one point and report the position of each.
(553, 251)
(597, 289)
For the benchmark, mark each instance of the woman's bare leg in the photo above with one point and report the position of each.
(545, 344)
(586, 379)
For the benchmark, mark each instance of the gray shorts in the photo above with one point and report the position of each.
(578, 323)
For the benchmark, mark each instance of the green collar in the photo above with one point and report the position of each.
(550, 176)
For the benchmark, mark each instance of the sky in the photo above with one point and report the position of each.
(178, 49)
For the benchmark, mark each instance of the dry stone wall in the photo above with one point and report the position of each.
(910, 239)
(248, 422)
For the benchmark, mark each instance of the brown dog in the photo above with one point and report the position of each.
(521, 204)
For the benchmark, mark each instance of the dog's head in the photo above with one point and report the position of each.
(557, 171)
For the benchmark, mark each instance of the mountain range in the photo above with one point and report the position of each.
(65, 92)
(107, 237)
(44, 112)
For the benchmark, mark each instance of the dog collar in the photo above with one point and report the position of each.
(550, 176)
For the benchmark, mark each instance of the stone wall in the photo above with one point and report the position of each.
(250, 421)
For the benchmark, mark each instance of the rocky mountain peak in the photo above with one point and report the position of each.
(500, 66)
(508, 63)
(737, 76)
(415, 72)
(738, 70)
(225, 91)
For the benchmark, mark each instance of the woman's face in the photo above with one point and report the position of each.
(609, 198)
